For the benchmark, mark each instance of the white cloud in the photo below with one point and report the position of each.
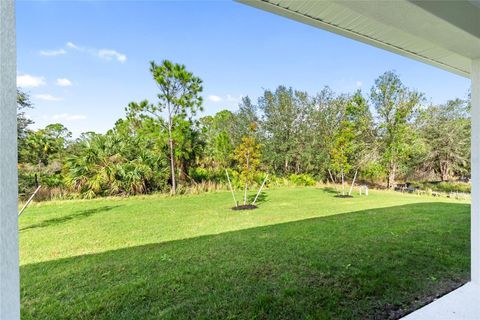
(47, 97)
(63, 82)
(52, 53)
(214, 98)
(109, 54)
(29, 81)
(69, 117)
(106, 54)
(359, 84)
(72, 46)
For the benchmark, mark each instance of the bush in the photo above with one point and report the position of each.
(452, 187)
(302, 180)
(446, 187)
(199, 174)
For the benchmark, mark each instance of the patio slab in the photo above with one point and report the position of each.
(460, 304)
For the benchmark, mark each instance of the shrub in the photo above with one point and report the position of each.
(446, 187)
(199, 174)
(302, 180)
(452, 187)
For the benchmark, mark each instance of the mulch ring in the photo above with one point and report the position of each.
(245, 207)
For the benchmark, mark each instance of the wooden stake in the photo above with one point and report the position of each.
(331, 177)
(29, 200)
(353, 183)
(260, 190)
(231, 189)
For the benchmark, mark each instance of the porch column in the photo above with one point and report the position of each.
(475, 167)
(9, 272)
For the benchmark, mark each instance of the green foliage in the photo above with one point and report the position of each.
(396, 107)
(116, 164)
(326, 136)
(282, 117)
(23, 103)
(200, 174)
(180, 99)
(453, 187)
(45, 145)
(446, 132)
(217, 133)
(302, 180)
(248, 156)
(445, 186)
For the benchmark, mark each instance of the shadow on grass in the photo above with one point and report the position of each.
(330, 190)
(372, 264)
(77, 215)
(262, 197)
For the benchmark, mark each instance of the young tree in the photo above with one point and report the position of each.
(396, 106)
(179, 98)
(341, 151)
(248, 156)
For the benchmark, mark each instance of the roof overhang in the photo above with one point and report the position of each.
(442, 33)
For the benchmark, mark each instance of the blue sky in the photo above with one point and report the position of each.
(83, 62)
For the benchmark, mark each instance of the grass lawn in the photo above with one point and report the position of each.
(302, 255)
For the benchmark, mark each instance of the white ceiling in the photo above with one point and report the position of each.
(442, 33)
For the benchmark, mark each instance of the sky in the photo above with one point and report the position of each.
(82, 62)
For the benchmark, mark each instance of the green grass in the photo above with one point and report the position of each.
(302, 254)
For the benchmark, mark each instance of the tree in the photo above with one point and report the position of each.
(125, 161)
(396, 106)
(179, 97)
(349, 142)
(446, 131)
(341, 151)
(282, 117)
(44, 145)
(243, 119)
(23, 122)
(217, 134)
(248, 156)
(23, 102)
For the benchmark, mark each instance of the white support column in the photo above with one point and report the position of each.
(9, 269)
(475, 167)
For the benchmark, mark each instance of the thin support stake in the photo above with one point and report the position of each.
(29, 200)
(260, 190)
(231, 189)
(353, 183)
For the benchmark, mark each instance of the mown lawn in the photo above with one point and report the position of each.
(302, 255)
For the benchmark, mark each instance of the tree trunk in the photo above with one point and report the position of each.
(444, 171)
(246, 180)
(172, 160)
(245, 194)
(391, 176)
(343, 183)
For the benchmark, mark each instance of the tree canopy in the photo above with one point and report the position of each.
(387, 136)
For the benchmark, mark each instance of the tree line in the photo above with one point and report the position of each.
(383, 136)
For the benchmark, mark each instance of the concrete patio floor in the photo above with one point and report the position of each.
(460, 304)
